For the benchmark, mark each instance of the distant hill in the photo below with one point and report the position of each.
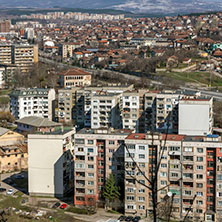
(136, 6)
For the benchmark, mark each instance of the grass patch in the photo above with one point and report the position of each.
(78, 210)
(4, 92)
(195, 77)
(113, 212)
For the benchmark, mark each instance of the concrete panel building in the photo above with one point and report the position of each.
(32, 102)
(51, 174)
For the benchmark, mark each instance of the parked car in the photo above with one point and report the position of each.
(129, 218)
(63, 206)
(56, 205)
(136, 219)
(10, 192)
(2, 189)
(121, 218)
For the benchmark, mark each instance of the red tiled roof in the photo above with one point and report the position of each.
(173, 137)
(73, 72)
(137, 136)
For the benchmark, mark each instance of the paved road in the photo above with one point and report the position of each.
(216, 95)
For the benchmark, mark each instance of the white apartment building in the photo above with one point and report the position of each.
(130, 107)
(50, 163)
(32, 102)
(105, 111)
(195, 116)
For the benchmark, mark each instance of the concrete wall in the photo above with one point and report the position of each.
(45, 165)
(194, 119)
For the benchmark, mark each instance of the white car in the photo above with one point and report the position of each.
(10, 192)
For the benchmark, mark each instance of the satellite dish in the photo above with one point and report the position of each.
(169, 194)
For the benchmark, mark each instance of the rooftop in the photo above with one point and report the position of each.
(37, 121)
(105, 131)
(57, 131)
(74, 72)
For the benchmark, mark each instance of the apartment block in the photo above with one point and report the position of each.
(74, 78)
(105, 111)
(51, 174)
(24, 56)
(97, 154)
(5, 54)
(190, 121)
(130, 107)
(75, 103)
(32, 102)
(66, 49)
(189, 169)
(5, 26)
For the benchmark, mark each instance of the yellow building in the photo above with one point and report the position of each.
(24, 56)
(13, 158)
(13, 151)
(9, 137)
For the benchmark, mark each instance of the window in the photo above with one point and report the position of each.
(111, 142)
(80, 165)
(163, 165)
(90, 183)
(141, 164)
(188, 149)
(130, 189)
(90, 166)
(199, 185)
(219, 177)
(90, 191)
(163, 174)
(199, 202)
(90, 150)
(141, 190)
(141, 147)
(130, 207)
(130, 146)
(199, 167)
(79, 141)
(90, 141)
(141, 207)
(129, 155)
(90, 158)
(200, 150)
(199, 176)
(141, 156)
(199, 159)
(200, 194)
(130, 198)
(142, 199)
(163, 182)
(188, 192)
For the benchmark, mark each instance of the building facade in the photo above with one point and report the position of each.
(53, 175)
(32, 102)
(74, 78)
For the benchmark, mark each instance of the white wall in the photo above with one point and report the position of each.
(45, 167)
(194, 119)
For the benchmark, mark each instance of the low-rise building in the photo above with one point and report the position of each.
(32, 124)
(13, 158)
(9, 137)
(74, 78)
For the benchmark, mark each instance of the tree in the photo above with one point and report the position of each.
(6, 117)
(111, 191)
